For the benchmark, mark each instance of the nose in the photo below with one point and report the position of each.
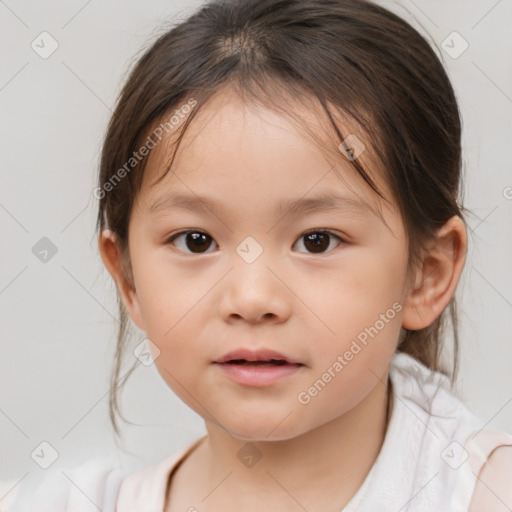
(254, 293)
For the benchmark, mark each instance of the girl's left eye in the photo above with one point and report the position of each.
(317, 241)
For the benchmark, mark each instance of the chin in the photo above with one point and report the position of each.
(257, 429)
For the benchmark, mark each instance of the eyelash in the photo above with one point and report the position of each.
(173, 237)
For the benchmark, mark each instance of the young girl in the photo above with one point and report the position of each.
(278, 206)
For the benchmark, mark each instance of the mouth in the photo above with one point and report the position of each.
(244, 362)
(257, 368)
(261, 357)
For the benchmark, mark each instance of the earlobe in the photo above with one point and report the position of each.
(437, 280)
(111, 256)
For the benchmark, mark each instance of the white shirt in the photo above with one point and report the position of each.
(433, 449)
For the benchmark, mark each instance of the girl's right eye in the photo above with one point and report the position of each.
(196, 241)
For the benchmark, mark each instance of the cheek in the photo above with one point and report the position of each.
(181, 362)
(358, 317)
(166, 296)
(345, 373)
(172, 302)
(346, 300)
(168, 318)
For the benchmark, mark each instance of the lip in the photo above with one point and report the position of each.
(258, 376)
(255, 355)
(253, 375)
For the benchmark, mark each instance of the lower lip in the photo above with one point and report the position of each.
(258, 375)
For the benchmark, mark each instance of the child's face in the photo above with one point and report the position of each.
(197, 300)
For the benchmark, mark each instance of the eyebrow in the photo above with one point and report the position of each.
(325, 202)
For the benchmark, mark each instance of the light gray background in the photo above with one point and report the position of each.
(57, 318)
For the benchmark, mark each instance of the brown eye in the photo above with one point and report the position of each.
(196, 242)
(318, 241)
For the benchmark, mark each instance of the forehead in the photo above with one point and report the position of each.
(229, 135)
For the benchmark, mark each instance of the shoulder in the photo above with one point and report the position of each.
(75, 487)
(493, 489)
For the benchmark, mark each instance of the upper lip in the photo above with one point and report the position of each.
(255, 355)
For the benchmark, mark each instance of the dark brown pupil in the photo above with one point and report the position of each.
(198, 241)
(318, 241)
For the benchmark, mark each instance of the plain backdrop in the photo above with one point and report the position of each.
(57, 320)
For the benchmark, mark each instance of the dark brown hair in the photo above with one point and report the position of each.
(345, 58)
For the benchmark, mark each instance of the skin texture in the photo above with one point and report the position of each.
(493, 491)
(308, 306)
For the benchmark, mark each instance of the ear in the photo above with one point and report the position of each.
(436, 281)
(120, 270)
